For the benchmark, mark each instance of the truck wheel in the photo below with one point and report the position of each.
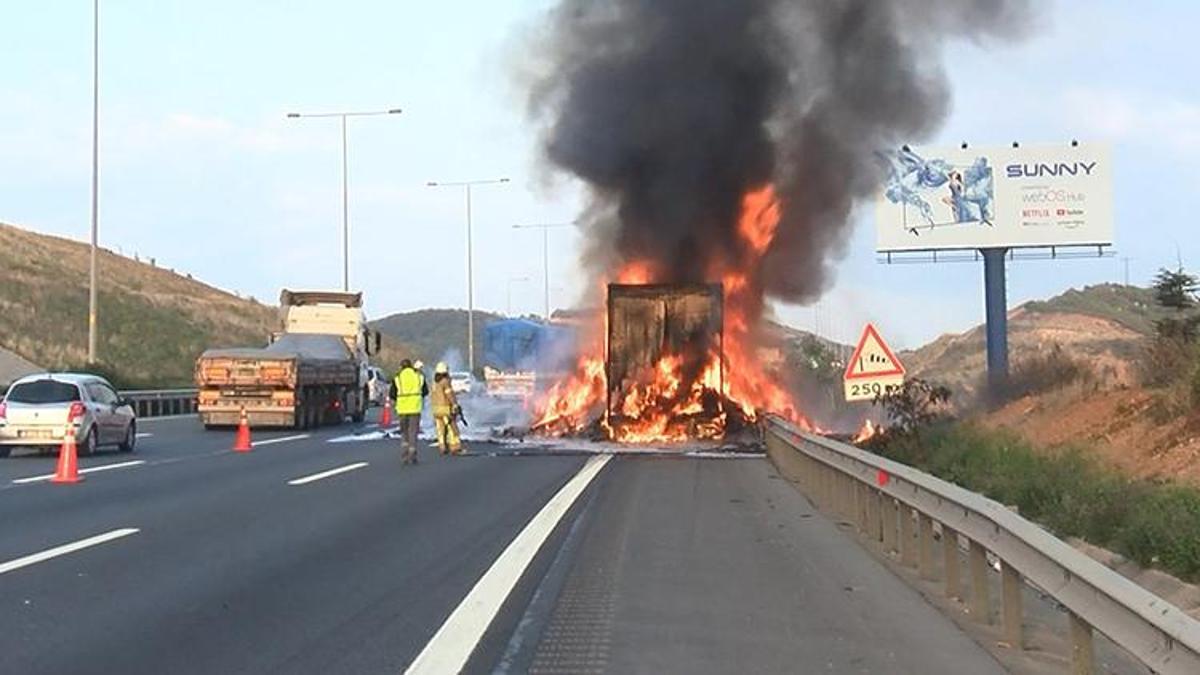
(5, 450)
(364, 402)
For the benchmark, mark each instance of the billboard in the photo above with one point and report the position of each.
(969, 198)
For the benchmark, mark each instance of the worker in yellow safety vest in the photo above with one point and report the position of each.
(409, 391)
(444, 406)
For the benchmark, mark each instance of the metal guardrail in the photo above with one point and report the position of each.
(898, 506)
(162, 402)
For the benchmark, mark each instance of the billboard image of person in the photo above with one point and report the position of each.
(935, 193)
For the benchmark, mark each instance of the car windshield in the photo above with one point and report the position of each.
(43, 391)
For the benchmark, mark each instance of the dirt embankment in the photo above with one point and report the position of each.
(1120, 426)
(959, 361)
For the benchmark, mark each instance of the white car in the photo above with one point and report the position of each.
(462, 382)
(38, 409)
(378, 386)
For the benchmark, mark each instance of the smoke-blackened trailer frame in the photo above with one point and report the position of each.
(649, 321)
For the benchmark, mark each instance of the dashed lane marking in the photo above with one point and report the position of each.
(285, 439)
(326, 474)
(90, 469)
(66, 548)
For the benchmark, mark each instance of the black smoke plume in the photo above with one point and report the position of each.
(671, 110)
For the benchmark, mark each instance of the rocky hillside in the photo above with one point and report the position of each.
(1102, 325)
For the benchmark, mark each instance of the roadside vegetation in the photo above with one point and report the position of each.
(1050, 370)
(1065, 490)
(1171, 362)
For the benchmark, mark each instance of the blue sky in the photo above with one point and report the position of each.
(201, 169)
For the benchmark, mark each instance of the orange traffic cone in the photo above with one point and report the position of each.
(68, 462)
(385, 417)
(241, 443)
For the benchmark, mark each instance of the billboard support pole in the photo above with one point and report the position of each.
(996, 300)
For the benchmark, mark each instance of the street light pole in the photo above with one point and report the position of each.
(508, 304)
(345, 212)
(91, 354)
(346, 179)
(468, 184)
(545, 228)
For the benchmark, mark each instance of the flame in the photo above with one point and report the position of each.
(636, 272)
(660, 406)
(760, 218)
(868, 431)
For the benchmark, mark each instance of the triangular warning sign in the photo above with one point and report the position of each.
(872, 357)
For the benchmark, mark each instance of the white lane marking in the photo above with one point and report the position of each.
(327, 474)
(189, 416)
(90, 469)
(285, 439)
(144, 434)
(451, 646)
(66, 548)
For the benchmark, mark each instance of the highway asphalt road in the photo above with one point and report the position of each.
(198, 560)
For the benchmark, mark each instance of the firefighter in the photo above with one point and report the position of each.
(444, 406)
(409, 391)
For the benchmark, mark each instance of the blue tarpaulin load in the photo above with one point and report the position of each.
(524, 345)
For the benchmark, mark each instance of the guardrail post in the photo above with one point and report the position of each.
(874, 506)
(908, 542)
(861, 493)
(829, 479)
(846, 491)
(1082, 652)
(979, 584)
(1010, 585)
(950, 562)
(858, 506)
(925, 530)
(891, 514)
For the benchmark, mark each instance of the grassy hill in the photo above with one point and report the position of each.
(152, 322)
(431, 333)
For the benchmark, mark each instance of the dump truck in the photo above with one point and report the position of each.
(314, 371)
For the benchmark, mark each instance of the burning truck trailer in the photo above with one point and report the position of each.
(665, 363)
(657, 375)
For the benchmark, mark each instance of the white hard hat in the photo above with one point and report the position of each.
(441, 368)
(418, 364)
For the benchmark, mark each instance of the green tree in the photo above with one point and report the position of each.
(1176, 289)
(916, 404)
